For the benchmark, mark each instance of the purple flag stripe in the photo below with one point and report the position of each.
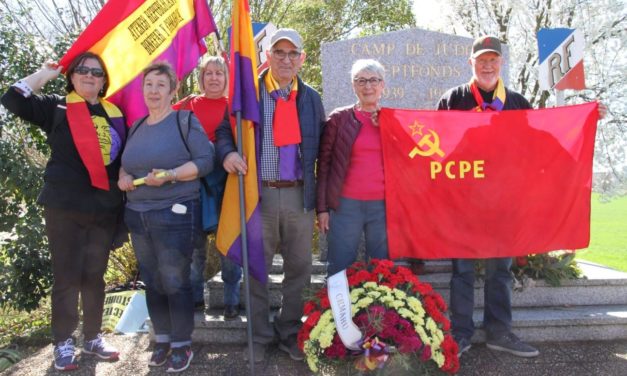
(256, 261)
(245, 93)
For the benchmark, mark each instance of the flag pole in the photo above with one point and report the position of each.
(242, 214)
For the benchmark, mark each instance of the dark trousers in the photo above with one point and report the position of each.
(497, 309)
(79, 246)
(164, 242)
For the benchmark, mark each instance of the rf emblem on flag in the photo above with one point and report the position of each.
(560, 54)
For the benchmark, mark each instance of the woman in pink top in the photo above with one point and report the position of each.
(351, 190)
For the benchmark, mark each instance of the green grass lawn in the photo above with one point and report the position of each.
(608, 243)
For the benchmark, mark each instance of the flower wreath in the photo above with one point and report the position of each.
(401, 319)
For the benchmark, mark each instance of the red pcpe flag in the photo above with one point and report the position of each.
(462, 184)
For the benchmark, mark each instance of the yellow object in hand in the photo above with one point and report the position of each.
(140, 181)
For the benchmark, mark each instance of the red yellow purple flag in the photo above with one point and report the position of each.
(130, 34)
(461, 184)
(243, 98)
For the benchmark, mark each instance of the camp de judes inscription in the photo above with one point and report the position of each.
(420, 66)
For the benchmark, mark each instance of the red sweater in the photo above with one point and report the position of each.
(209, 112)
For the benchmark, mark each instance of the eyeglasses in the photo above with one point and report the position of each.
(373, 81)
(280, 54)
(83, 70)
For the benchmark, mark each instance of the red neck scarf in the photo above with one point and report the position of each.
(285, 124)
(85, 137)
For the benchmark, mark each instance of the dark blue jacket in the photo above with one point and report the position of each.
(311, 118)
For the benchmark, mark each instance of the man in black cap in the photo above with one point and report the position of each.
(485, 92)
(291, 122)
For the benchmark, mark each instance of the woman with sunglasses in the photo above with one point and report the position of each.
(80, 196)
(350, 188)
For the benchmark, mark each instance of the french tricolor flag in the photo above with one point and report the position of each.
(560, 54)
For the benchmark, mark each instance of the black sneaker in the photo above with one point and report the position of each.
(513, 345)
(290, 346)
(180, 359)
(463, 344)
(159, 354)
(199, 306)
(65, 355)
(231, 312)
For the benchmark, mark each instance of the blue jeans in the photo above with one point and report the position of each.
(231, 275)
(346, 225)
(163, 242)
(197, 271)
(497, 311)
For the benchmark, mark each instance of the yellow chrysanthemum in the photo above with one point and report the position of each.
(423, 335)
(438, 358)
(325, 340)
(370, 285)
(363, 303)
(400, 294)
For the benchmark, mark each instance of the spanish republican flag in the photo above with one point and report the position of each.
(130, 34)
(243, 98)
(461, 184)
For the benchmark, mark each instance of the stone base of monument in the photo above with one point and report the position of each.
(594, 308)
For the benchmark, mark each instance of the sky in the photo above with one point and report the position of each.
(434, 15)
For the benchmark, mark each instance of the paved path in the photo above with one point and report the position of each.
(556, 359)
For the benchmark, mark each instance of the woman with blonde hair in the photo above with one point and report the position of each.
(210, 108)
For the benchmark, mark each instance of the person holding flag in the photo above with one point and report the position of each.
(291, 120)
(81, 200)
(486, 92)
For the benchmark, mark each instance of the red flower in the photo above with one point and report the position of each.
(450, 350)
(337, 349)
(359, 278)
(308, 307)
(426, 353)
(521, 261)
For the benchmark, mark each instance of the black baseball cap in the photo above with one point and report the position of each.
(486, 43)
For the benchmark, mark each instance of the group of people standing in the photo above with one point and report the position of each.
(98, 170)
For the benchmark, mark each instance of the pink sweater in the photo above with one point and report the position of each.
(364, 178)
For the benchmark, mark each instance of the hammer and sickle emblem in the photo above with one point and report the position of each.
(432, 141)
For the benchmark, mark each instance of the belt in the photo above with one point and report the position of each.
(281, 183)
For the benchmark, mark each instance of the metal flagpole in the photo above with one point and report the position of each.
(242, 214)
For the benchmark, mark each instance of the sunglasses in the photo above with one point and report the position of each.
(83, 70)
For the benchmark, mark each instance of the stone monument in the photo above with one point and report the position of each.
(420, 66)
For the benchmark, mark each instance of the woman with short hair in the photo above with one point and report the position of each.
(350, 189)
(167, 151)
